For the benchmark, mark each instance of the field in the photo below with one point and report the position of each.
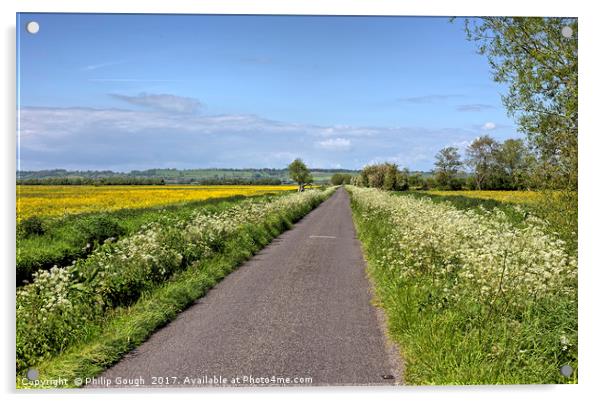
(64, 200)
(77, 319)
(476, 291)
(62, 223)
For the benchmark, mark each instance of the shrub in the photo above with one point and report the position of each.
(33, 226)
(456, 184)
(97, 228)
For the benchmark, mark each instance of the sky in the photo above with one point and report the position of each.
(132, 92)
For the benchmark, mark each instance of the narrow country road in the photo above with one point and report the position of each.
(300, 308)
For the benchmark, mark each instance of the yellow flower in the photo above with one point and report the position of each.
(64, 200)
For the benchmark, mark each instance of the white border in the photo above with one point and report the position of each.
(590, 144)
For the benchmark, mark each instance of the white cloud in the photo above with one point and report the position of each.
(121, 139)
(423, 99)
(163, 102)
(488, 126)
(335, 144)
(93, 67)
(474, 107)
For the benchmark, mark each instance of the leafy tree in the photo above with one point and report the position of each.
(336, 179)
(375, 175)
(299, 173)
(447, 166)
(358, 181)
(481, 158)
(340, 178)
(514, 162)
(539, 64)
(386, 176)
(402, 180)
(390, 177)
(416, 180)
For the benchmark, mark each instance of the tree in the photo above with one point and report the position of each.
(447, 166)
(375, 175)
(537, 58)
(358, 181)
(481, 158)
(514, 163)
(416, 181)
(300, 174)
(390, 177)
(402, 180)
(386, 176)
(340, 178)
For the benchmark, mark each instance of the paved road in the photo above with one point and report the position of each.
(300, 308)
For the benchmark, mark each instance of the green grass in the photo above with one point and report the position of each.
(465, 342)
(66, 239)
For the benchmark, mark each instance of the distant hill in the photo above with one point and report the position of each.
(186, 176)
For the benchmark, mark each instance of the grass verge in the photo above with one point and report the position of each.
(469, 298)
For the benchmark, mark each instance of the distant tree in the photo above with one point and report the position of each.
(447, 166)
(390, 176)
(300, 174)
(537, 58)
(514, 164)
(340, 178)
(456, 183)
(429, 183)
(358, 181)
(416, 180)
(386, 176)
(374, 176)
(481, 158)
(402, 180)
(336, 179)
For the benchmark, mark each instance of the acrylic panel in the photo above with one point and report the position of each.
(281, 200)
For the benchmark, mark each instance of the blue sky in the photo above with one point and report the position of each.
(126, 92)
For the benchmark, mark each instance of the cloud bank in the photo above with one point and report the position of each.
(123, 140)
(162, 102)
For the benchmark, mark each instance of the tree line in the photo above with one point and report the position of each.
(89, 181)
(237, 181)
(146, 181)
(491, 166)
(487, 165)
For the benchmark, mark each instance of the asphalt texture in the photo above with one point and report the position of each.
(299, 309)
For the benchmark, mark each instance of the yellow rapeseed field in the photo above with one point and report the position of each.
(63, 200)
(514, 197)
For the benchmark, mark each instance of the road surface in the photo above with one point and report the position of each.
(300, 309)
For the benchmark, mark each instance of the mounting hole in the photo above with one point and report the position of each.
(33, 374)
(567, 32)
(32, 27)
(566, 370)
